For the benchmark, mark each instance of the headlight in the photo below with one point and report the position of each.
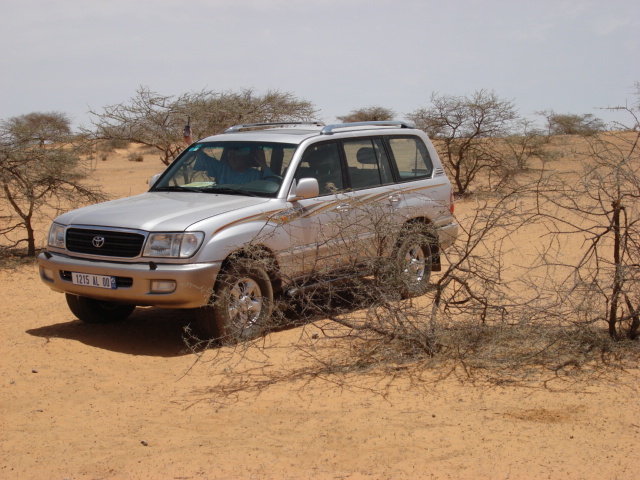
(56, 235)
(176, 245)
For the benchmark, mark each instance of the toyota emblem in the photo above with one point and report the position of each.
(98, 242)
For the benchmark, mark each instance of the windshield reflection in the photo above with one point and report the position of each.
(241, 168)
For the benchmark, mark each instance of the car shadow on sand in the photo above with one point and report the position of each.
(159, 332)
(148, 331)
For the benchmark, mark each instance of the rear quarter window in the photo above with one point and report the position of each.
(411, 158)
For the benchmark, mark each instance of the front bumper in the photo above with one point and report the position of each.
(193, 282)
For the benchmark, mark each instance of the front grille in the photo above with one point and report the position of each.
(116, 244)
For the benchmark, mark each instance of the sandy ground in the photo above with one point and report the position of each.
(129, 401)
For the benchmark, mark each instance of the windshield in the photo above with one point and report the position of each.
(237, 168)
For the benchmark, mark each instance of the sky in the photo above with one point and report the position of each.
(572, 56)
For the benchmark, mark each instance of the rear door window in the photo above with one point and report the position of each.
(367, 163)
(411, 158)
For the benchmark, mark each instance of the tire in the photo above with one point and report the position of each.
(90, 310)
(413, 261)
(241, 304)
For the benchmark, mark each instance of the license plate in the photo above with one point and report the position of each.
(90, 280)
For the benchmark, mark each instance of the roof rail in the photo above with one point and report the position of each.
(249, 126)
(328, 130)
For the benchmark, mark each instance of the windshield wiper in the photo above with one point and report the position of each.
(211, 189)
(177, 189)
(236, 191)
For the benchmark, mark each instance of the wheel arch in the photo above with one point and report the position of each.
(260, 254)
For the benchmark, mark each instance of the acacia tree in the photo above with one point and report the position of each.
(147, 119)
(461, 125)
(40, 127)
(366, 114)
(601, 205)
(157, 121)
(214, 112)
(513, 153)
(572, 124)
(40, 165)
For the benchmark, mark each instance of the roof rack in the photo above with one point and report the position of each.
(328, 130)
(250, 126)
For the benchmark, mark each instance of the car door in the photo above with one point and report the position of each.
(314, 225)
(369, 216)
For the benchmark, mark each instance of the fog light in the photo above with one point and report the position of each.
(162, 286)
(46, 273)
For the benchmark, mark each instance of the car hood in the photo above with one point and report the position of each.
(158, 211)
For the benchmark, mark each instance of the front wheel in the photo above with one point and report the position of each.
(241, 304)
(90, 310)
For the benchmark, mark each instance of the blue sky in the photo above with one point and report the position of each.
(69, 56)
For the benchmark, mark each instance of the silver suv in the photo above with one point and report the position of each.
(253, 213)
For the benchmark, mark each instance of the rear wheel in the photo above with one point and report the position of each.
(414, 262)
(90, 310)
(241, 304)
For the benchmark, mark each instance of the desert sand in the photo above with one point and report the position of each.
(130, 401)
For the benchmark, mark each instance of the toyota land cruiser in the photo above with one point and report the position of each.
(199, 237)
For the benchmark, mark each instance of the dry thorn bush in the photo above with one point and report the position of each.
(479, 317)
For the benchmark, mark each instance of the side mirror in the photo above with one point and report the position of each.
(304, 188)
(154, 179)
